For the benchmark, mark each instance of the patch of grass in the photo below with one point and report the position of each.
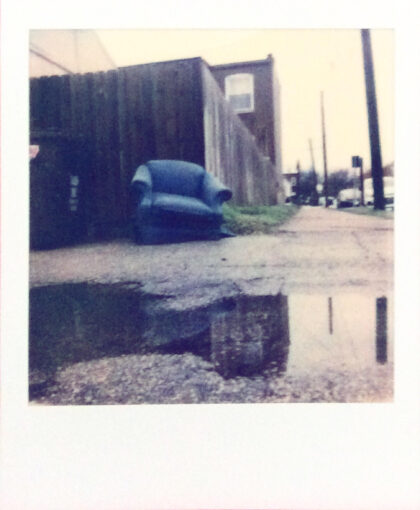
(246, 220)
(370, 211)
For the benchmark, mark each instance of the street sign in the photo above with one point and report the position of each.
(356, 161)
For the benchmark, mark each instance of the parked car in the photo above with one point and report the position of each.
(330, 201)
(314, 198)
(349, 197)
(388, 191)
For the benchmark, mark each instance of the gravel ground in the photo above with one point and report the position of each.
(178, 379)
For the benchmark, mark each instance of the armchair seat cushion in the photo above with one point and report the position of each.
(180, 204)
(171, 208)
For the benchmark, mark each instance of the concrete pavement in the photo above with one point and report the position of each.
(318, 250)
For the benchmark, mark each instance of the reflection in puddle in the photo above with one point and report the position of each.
(347, 331)
(240, 336)
(381, 330)
(251, 337)
(330, 316)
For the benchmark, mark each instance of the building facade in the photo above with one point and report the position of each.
(253, 91)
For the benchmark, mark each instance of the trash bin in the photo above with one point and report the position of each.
(56, 198)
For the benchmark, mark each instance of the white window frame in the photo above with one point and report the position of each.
(249, 90)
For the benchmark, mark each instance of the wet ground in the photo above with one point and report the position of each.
(301, 316)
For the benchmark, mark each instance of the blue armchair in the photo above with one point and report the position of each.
(177, 201)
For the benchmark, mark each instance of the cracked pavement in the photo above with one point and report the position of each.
(318, 250)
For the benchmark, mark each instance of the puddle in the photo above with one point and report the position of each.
(240, 336)
(351, 331)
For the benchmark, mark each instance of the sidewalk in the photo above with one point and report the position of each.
(318, 250)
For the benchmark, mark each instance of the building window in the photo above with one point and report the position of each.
(239, 90)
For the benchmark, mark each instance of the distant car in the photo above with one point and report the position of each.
(330, 201)
(314, 198)
(388, 191)
(349, 198)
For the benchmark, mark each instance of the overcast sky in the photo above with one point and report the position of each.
(308, 61)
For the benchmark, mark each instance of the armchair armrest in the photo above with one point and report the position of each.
(214, 193)
(142, 180)
(141, 185)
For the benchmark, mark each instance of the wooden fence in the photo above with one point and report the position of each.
(231, 152)
(84, 109)
(121, 119)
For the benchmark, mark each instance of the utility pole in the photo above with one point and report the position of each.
(375, 145)
(314, 194)
(311, 150)
(324, 150)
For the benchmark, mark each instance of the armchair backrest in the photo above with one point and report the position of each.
(177, 177)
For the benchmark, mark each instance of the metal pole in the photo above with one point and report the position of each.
(362, 184)
(375, 145)
(324, 150)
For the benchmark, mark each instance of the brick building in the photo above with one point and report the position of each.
(253, 90)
